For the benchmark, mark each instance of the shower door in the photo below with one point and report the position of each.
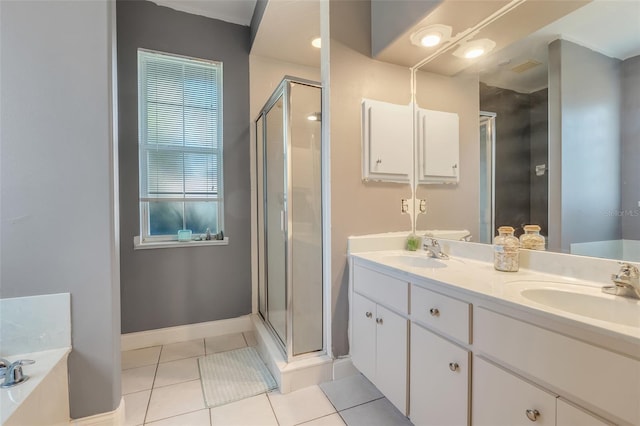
(487, 158)
(275, 215)
(289, 200)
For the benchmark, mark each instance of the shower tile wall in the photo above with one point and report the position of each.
(521, 197)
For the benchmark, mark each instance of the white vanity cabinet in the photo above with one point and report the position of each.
(378, 334)
(439, 380)
(475, 361)
(502, 399)
(601, 380)
(440, 369)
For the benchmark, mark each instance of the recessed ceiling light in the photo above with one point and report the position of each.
(430, 40)
(431, 36)
(474, 49)
(316, 42)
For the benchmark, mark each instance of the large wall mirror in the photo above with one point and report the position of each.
(549, 126)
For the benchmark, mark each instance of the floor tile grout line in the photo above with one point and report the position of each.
(362, 403)
(178, 415)
(272, 409)
(146, 412)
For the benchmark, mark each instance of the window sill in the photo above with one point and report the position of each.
(137, 245)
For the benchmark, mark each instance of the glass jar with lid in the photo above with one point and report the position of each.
(506, 249)
(531, 239)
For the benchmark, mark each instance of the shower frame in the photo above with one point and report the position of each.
(283, 91)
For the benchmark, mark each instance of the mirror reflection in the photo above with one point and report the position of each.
(549, 131)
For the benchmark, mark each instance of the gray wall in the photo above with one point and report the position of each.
(539, 135)
(589, 143)
(57, 195)
(630, 165)
(258, 13)
(391, 18)
(176, 286)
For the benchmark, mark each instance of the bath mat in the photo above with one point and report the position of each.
(233, 375)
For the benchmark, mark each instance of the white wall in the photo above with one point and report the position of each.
(58, 230)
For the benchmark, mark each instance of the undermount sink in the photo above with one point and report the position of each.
(582, 300)
(416, 260)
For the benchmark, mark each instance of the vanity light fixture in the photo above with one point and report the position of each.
(316, 42)
(431, 36)
(474, 49)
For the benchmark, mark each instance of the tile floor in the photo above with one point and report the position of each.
(161, 387)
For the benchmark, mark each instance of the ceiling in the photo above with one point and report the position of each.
(611, 27)
(286, 30)
(234, 11)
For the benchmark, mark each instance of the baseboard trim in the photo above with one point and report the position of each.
(294, 375)
(343, 367)
(112, 418)
(182, 333)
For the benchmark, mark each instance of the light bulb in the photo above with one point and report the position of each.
(474, 53)
(431, 40)
(316, 42)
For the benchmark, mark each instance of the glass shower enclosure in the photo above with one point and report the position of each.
(289, 227)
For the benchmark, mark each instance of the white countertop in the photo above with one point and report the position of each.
(480, 279)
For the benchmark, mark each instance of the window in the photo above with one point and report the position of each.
(180, 141)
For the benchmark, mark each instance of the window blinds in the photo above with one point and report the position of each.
(180, 128)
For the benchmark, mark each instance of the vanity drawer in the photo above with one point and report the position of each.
(442, 313)
(387, 291)
(571, 367)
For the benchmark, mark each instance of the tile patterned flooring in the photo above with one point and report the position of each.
(161, 387)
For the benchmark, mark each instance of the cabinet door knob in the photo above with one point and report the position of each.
(379, 321)
(434, 312)
(368, 314)
(533, 415)
(453, 366)
(379, 161)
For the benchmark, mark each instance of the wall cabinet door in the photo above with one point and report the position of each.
(387, 132)
(438, 147)
(503, 399)
(439, 380)
(363, 335)
(568, 415)
(391, 357)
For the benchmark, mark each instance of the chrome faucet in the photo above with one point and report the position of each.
(433, 249)
(13, 373)
(627, 282)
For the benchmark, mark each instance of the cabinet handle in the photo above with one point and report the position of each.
(378, 161)
(379, 321)
(368, 314)
(453, 366)
(533, 415)
(434, 312)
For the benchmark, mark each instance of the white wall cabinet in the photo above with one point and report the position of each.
(438, 146)
(387, 141)
(439, 380)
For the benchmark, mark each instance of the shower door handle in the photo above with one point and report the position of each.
(282, 223)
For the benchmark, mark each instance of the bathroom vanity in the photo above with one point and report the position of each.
(454, 342)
